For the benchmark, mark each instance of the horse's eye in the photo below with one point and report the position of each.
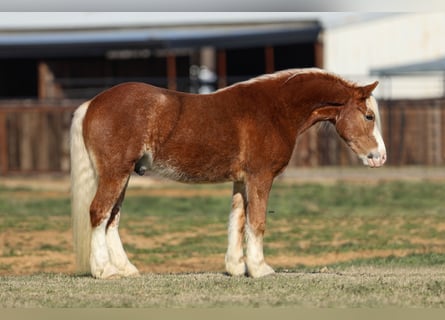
(369, 117)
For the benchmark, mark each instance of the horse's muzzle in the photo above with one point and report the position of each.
(375, 159)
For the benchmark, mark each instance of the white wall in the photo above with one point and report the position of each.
(355, 49)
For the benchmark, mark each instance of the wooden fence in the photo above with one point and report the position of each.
(34, 137)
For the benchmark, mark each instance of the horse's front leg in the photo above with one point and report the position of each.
(257, 195)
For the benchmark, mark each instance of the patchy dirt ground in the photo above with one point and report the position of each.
(50, 251)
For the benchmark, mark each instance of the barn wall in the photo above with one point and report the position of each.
(356, 49)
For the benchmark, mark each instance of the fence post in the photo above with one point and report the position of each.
(4, 165)
(171, 71)
(269, 57)
(434, 134)
(222, 69)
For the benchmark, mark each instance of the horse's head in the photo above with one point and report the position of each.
(358, 123)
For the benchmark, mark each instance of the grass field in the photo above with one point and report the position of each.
(347, 287)
(342, 244)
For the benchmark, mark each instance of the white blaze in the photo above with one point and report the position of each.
(379, 155)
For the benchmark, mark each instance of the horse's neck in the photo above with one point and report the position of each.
(295, 106)
(314, 100)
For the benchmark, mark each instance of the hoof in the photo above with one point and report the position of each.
(236, 269)
(130, 271)
(108, 272)
(260, 271)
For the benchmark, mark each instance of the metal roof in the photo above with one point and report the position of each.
(72, 43)
(436, 65)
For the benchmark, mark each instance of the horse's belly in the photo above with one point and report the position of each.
(199, 170)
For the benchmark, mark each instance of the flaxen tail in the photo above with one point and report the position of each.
(83, 189)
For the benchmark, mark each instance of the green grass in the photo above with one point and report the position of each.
(23, 213)
(344, 200)
(415, 260)
(310, 219)
(355, 216)
(352, 287)
(305, 221)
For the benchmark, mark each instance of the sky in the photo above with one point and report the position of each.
(226, 5)
(66, 20)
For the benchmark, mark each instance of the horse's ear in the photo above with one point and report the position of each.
(366, 91)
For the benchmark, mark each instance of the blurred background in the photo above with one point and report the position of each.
(52, 62)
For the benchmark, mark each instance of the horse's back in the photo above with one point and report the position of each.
(187, 137)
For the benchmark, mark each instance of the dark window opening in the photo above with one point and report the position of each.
(243, 64)
(300, 55)
(18, 78)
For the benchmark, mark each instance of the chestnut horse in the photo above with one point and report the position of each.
(244, 133)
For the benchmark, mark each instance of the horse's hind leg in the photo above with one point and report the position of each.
(116, 251)
(234, 259)
(109, 190)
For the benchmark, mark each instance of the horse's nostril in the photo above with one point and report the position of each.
(374, 155)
